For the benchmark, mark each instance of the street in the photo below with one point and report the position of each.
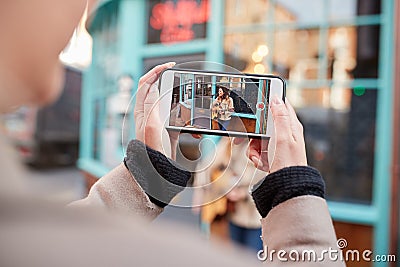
(63, 185)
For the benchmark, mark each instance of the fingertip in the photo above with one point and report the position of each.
(278, 109)
(276, 100)
(159, 68)
(166, 65)
(255, 142)
(253, 149)
(257, 161)
(196, 136)
(290, 109)
(238, 140)
(287, 103)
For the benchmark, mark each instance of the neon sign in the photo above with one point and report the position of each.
(175, 19)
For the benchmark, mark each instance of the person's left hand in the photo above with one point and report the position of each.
(149, 127)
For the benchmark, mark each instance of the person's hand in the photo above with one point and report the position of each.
(149, 127)
(286, 148)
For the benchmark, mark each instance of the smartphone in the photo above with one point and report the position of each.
(219, 103)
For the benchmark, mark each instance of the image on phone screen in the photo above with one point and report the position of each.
(219, 102)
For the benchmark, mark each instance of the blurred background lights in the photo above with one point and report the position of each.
(259, 68)
(256, 57)
(359, 90)
(262, 50)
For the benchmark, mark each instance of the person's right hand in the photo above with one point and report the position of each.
(289, 141)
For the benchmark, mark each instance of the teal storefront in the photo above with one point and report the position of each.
(338, 59)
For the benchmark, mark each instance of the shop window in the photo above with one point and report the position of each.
(339, 129)
(367, 55)
(319, 48)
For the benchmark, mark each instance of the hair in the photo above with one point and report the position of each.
(225, 90)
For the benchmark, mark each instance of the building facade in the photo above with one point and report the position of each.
(338, 58)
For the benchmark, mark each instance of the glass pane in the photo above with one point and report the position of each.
(239, 12)
(247, 52)
(176, 21)
(367, 52)
(316, 11)
(339, 9)
(106, 57)
(301, 11)
(296, 54)
(342, 53)
(353, 52)
(367, 7)
(339, 129)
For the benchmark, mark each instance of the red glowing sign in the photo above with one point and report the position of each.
(175, 19)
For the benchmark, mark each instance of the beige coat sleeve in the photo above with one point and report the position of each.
(301, 229)
(119, 191)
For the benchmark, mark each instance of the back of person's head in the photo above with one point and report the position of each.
(33, 35)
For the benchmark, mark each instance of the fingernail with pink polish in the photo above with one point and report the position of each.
(257, 162)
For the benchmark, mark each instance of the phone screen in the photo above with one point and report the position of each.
(219, 102)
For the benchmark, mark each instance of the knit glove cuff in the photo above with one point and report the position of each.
(285, 184)
(160, 177)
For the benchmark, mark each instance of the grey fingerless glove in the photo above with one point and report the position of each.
(160, 177)
(285, 184)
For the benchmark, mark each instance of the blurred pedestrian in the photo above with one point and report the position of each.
(235, 174)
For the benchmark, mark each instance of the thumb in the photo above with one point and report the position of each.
(280, 114)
